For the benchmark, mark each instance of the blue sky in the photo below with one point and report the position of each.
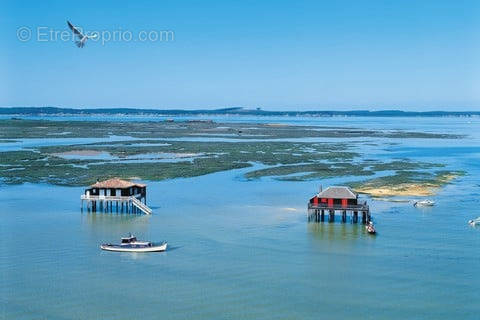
(295, 55)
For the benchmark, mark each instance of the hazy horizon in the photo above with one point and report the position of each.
(272, 109)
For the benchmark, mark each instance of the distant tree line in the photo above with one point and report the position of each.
(228, 111)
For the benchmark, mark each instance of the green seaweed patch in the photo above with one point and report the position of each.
(269, 153)
(76, 173)
(13, 129)
(310, 171)
(305, 172)
(48, 166)
(403, 164)
(293, 161)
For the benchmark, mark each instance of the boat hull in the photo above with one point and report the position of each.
(370, 229)
(424, 204)
(117, 248)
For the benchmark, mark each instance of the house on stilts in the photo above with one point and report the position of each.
(116, 195)
(337, 199)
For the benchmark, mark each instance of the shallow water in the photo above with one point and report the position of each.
(31, 143)
(243, 249)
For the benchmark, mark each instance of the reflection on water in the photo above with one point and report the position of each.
(134, 256)
(116, 223)
(326, 231)
(96, 219)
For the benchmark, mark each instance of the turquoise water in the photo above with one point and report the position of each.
(243, 249)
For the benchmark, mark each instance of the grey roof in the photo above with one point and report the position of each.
(338, 193)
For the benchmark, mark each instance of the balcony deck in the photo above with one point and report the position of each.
(349, 207)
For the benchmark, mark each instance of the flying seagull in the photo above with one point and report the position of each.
(81, 37)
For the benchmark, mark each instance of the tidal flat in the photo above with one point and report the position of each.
(18, 129)
(159, 150)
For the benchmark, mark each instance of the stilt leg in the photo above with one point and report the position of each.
(332, 216)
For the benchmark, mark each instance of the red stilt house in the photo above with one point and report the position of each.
(336, 197)
(340, 199)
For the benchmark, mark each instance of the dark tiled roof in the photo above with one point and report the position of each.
(116, 183)
(338, 193)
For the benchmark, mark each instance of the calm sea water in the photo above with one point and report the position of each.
(244, 250)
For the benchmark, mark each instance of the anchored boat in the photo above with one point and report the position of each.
(131, 244)
(425, 203)
(474, 222)
(370, 228)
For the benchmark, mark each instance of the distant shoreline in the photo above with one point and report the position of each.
(54, 111)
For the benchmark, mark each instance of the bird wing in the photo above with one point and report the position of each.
(75, 30)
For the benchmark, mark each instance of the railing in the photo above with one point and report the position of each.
(113, 198)
(325, 206)
(104, 197)
(141, 206)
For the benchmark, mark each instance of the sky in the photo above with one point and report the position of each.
(277, 55)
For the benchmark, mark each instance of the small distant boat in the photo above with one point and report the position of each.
(424, 203)
(131, 244)
(370, 228)
(474, 222)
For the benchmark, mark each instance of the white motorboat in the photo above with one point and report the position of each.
(474, 222)
(131, 244)
(424, 203)
(370, 228)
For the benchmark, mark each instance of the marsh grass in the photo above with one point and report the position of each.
(292, 161)
(16, 129)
